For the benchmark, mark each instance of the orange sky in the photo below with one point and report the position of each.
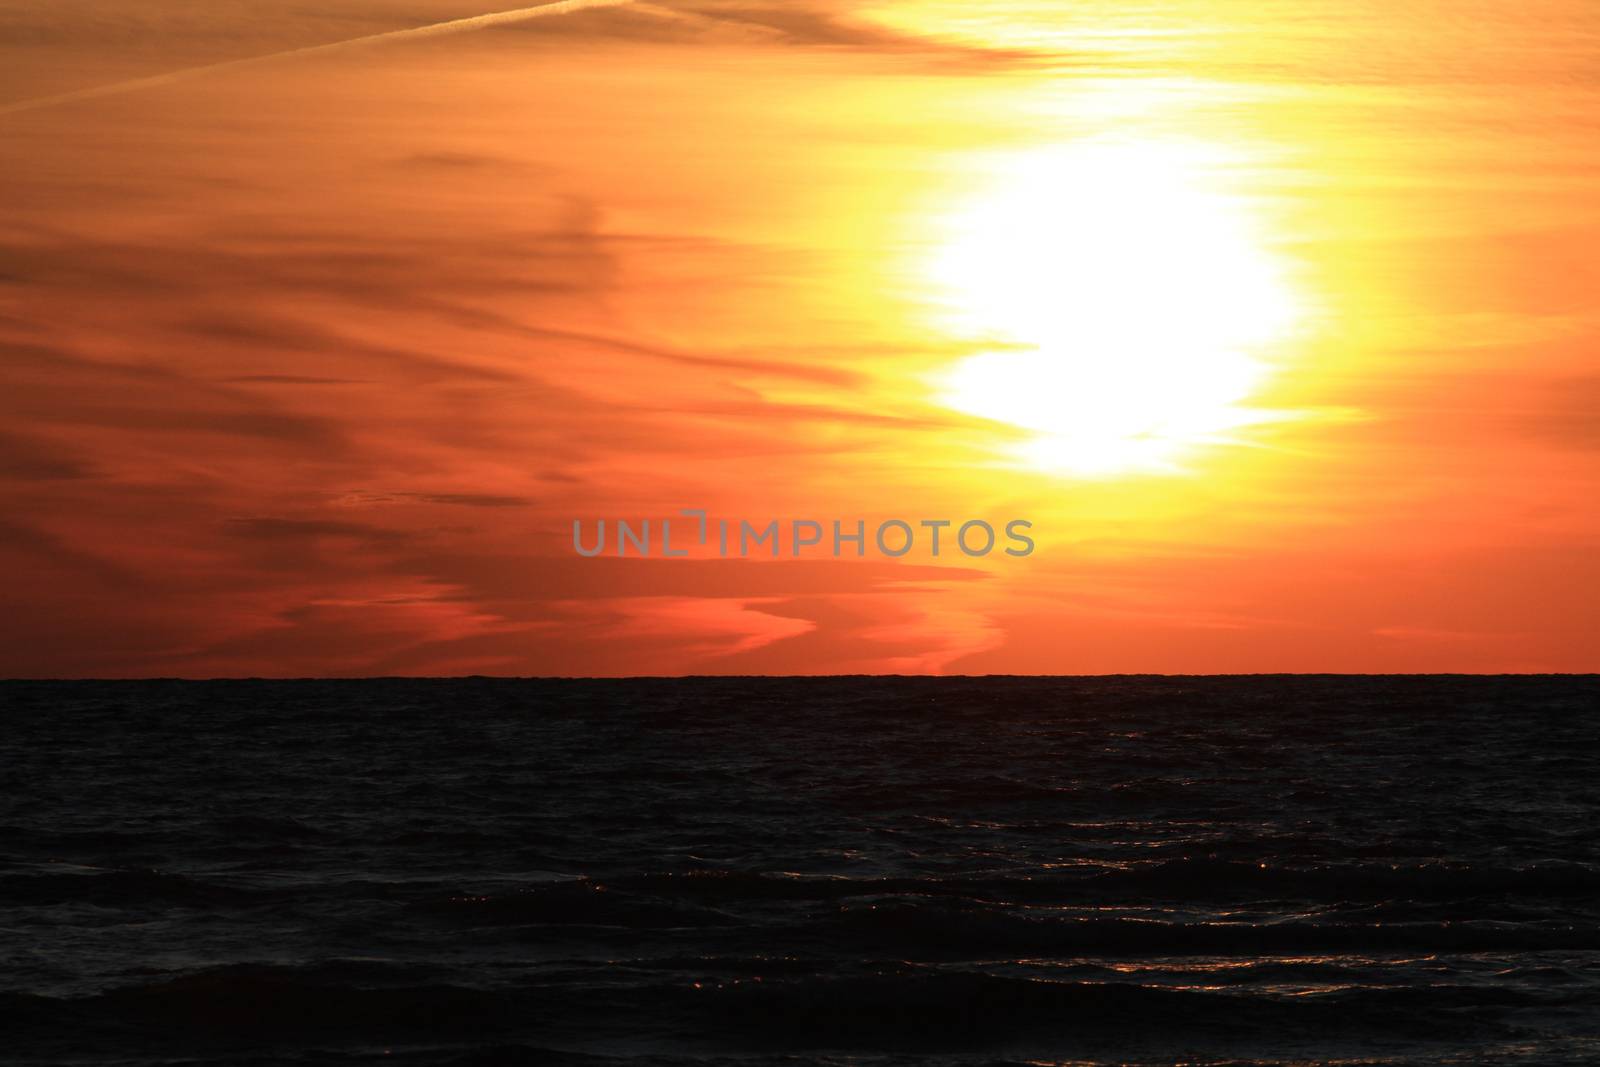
(1278, 320)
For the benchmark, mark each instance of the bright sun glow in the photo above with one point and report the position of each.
(1131, 301)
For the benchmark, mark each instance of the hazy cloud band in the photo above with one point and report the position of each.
(437, 29)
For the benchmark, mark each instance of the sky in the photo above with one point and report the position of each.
(1277, 321)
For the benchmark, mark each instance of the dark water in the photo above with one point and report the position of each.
(1368, 870)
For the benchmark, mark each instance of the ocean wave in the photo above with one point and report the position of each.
(903, 1008)
(931, 931)
(580, 902)
(119, 889)
(1185, 879)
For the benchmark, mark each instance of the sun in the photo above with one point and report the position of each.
(1130, 299)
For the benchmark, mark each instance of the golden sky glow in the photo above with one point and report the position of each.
(1278, 321)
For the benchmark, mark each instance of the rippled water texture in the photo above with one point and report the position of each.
(803, 871)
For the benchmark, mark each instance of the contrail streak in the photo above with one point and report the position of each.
(437, 29)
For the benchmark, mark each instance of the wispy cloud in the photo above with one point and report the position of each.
(437, 29)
